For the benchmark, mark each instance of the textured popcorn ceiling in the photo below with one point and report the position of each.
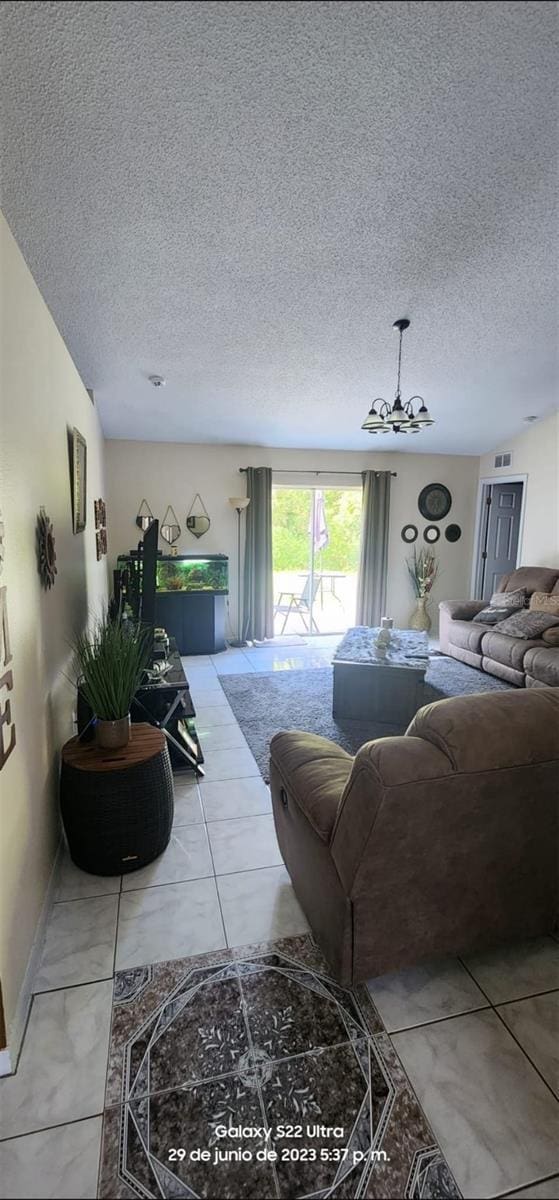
(243, 197)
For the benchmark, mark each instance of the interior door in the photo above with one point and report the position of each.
(500, 533)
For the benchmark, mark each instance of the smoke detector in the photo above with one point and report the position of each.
(157, 381)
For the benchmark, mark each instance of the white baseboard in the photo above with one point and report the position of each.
(9, 1057)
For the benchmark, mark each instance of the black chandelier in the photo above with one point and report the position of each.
(398, 418)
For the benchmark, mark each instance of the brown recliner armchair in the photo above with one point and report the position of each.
(438, 842)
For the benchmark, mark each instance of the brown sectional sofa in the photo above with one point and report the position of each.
(520, 661)
(438, 842)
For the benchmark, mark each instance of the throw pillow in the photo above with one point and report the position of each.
(526, 624)
(551, 636)
(544, 602)
(490, 616)
(516, 599)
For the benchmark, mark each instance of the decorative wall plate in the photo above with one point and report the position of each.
(431, 534)
(453, 533)
(198, 522)
(144, 517)
(170, 529)
(434, 501)
(409, 533)
(46, 553)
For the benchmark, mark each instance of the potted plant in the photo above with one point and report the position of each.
(111, 658)
(423, 569)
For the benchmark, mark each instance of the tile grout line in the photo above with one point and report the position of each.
(235, 1071)
(530, 996)
(509, 1031)
(465, 1012)
(67, 987)
(215, 882)
(519, 1191)
(14, 1137)
(109, 1040)
(258, 1082)
(116, 934)
(196, 878)
(93, 896)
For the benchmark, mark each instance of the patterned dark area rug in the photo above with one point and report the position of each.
(251, 1073)
(267, 703)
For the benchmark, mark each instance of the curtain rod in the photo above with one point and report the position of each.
(285, 471)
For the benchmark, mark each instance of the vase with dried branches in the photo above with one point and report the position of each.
(423, 569)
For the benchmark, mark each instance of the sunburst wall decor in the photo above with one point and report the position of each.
(46, 553)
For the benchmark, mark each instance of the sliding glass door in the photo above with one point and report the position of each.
(316, 536)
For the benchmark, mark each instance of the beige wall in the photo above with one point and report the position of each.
(535, 453)
(168, 473)
(41, 397)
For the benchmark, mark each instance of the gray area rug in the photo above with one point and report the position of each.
(270, 702)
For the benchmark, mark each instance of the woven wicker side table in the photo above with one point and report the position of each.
(117, 805)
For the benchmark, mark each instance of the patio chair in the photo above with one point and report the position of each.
(300, 603)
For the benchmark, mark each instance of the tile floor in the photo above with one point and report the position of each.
(477, 1038)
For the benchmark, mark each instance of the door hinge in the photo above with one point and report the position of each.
(484, 554)
(488, 500)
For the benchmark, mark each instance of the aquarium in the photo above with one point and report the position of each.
(192, 574)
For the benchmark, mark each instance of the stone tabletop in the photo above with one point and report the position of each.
(407, 648)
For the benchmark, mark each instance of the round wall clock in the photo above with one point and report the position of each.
(453, 533)
(431, 534)
(409, 533)
(434, 501)
(46, 553)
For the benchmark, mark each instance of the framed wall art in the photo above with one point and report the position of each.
(79, 481)
(100, 511)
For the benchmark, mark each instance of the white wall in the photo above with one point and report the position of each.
(169, 473)
(535, 453)
(41, 398)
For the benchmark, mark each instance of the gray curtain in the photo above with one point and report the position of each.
(371, 583)
(258, 599)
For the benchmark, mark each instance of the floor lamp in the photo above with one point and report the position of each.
(239, 503)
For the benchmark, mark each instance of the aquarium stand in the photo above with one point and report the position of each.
(190, 600)
(195, 619)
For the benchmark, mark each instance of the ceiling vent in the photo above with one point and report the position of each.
(503, 460)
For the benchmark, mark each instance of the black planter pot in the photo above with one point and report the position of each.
(118, 818)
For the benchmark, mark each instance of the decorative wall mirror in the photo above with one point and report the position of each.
(431, 534)
(144, 516)
(197, 520)
(409, 533)
(170, 529)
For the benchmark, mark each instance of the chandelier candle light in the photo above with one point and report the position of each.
(400, 418)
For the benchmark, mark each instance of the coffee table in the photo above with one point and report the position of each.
(382, 686)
